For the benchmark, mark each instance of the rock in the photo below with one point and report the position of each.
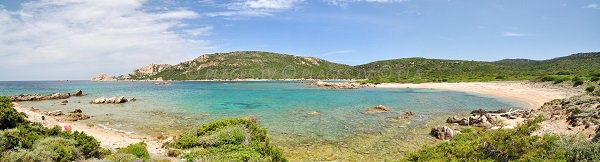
(55, 113)
(77, 117)
(78, 93)
(252, 118)
(408, 114)
(378, 109)
(340, 85)
(103, 77)
(77, 111)
(132, 99)
(64, 101)
(39, 97)
(443, 132)
(313, 113)
(112, 100)
(453, 119)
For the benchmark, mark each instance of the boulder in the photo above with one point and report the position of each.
(453, 119)
(112, 100)
(55, 113)
(378, 109)
(77, 117)
(78, 93)
(38, 97)
(443, 132)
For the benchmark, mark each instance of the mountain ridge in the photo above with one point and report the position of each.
(270, 65)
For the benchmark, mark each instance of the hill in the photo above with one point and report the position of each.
(437, 70)
(267, 65)
(244, 65)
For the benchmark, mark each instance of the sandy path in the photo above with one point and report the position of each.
(108, 138)
(534, 96)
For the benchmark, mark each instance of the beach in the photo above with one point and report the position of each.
(531, 94)
(108, 138)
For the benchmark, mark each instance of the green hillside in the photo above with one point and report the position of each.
(266, 65)
(583, 65)
(252, 65)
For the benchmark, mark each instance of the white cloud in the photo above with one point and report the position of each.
(593, 6)
(255, 7)
(199, 31)
(73, 39)
(513, 34)
(345, 2)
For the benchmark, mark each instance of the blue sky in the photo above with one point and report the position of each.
(74, 39)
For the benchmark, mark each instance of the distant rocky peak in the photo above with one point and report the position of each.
(150, 69)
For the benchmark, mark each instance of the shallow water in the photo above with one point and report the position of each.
(281, 107)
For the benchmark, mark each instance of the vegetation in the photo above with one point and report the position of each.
(251, 64)
(495, 145)
(21, 140)
(265, 65)
(138, 150)
(227, 140)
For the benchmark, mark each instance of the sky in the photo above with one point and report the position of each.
(75, 39)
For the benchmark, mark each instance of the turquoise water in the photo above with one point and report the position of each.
(281, 107)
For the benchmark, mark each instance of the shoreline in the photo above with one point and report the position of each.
(109, 138)
(532, 94)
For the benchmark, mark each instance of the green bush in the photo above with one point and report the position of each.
(9, 117)
(228, 140)
(581, 150)
(590, 89)
(123, 157)
(577, 81)
(594, 79)
(19, 137)
(495, 145)
(48, 149)
(138, 150)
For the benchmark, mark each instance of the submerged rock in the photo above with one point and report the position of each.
(378, 109)
(313, 113)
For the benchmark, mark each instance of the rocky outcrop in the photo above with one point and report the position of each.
(103, 77)
(78, 93)
(582, 110)
(150, 69)
(378, 109)
(112, 100)
(340, 85)
(39, 97)
(71, 116)
(489, 119)
(443, 132)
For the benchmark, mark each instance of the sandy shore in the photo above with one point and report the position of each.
(108, 138)
(529, 93)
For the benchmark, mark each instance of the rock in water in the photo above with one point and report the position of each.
(379, 108)
(103, 77)
(443, 132)
(78, 93)
(313, 113)
(112, 100)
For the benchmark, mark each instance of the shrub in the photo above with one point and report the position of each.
(48, 149)
(577, 81)
(174, 152)
(138, 149)
(590, 89)
(123, 157)
(228, 140)
(495, 145)
(594, 79)
(9, 117)
(582, 151)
